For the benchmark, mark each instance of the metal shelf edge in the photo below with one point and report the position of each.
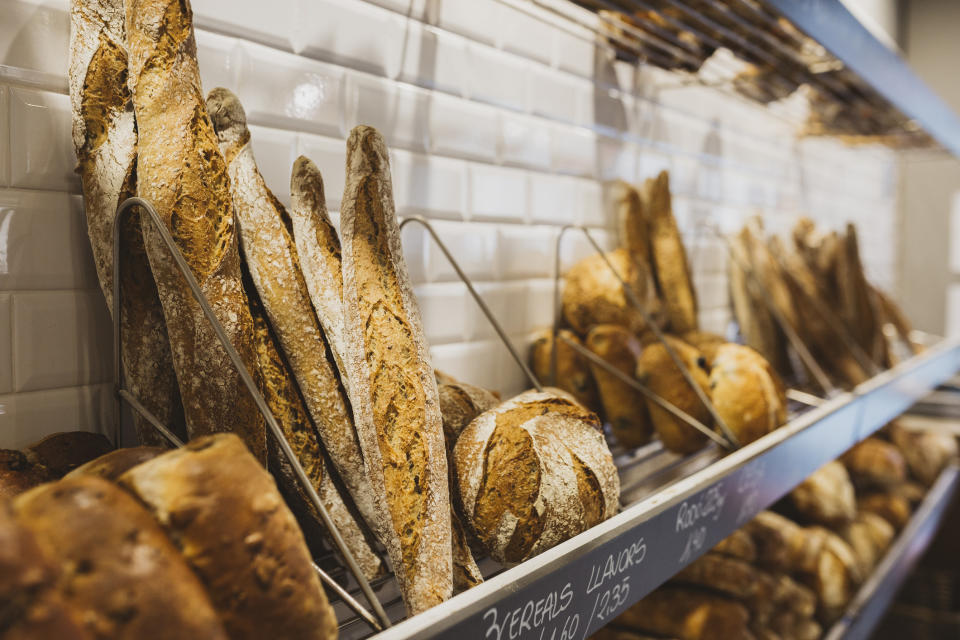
(873, 598)
(556, 595)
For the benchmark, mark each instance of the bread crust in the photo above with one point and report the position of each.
(623, 406)
(112, 465)
(533, 472)
(395, 401)
(746, 393)
(62, 452)
(105, 142)
(592, 293)
(688, 614)
(20, 471)
(826, 496)
(116, 567)
(181, 172)
(875, 463)
(224, 512)
(573, 370)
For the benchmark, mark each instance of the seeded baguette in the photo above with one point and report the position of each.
(105, 142)
(271, 258)
(180, 170)
(395, 402)
(223, 511)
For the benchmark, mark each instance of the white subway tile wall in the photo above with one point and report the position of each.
(503, 121)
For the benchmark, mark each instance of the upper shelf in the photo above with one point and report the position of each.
(576, 587)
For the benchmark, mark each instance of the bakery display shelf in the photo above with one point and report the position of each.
(575, 588)
(871, 602)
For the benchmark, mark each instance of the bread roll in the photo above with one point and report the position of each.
(892, 507)
(20, 471)
(776, 539)
(62, 452)
(869, 536)
(225, 514)
(729, 576)
(114, 464)
(706, 343)
(739, 545)
(687, 614)
(181, 172)
(671, 268)
(925, 452)
(746, 392)
(656, 369)
(593, 295)
(287, 407)
(318, 249)
(116, 567)
(272, 262)
(826, 497)
(105, 141)
(835, 577)
(573, 370)
(534, 472)
(875, 463)
(395, 403)
(460, 403)
(623, 406)
(31, 605)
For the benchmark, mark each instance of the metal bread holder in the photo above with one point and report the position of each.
(381, 621)
(728, 440)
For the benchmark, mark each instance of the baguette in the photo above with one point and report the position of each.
(180, 170)
(105, 142)
(116, 567)
(271, 259)
(224, 513)
(395, 401)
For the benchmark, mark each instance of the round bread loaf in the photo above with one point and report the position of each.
(573, 370)
(534, 472)
(656, 369)
(826, 497)
(115, 566)
(875, 463)
(593, 295)
(746, 392)
(869, 536)
(114, 464)
(926, 452)
(706, 343)
(224, 512)
(20, 471)
(64, 452)
(892, 507)
(460, 403)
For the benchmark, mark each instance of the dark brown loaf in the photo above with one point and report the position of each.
(116, 567)
(105, 141)
(114, 464)
(394, 392)
(875, 463)
(534, 472)
(20, 471)
(63, 452)
(180, 170)
(623, 406)
(687, 614)
(231, 525)
(271, 260)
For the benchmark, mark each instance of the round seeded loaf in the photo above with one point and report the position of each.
(534, 472)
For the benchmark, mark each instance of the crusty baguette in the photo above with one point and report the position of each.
(271, 259)
(224, 512)
(181, 172)
(105, 141)
(395, 404)
(116, 566)
(318, 248)
(287, 407)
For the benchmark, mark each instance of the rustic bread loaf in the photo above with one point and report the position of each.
(395, 404)
(105, 141)
(633, 223)
(826, 496)
(533, 472)
(859, 307)
(20, 471)
(272, 262)
(776, 539)
(739, 545)
(687, 614)
(891, 506)
(875, 463)
(746, 392)
(656, 369)
(671, 268)
(31, 605)
(573, 370)
(287, 407)
(623, 406)
(592, 294)
(62, 452)
(706, 343)
(466, 573)
(181, 172)
(869, 536)
(112, 465)
(729, 576)
(835, 576)
(926, 452)
(225, 514)
(116, 567)
(318, 249)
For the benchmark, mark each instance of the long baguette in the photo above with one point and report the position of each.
(180, 170)
(105, 141)
(271, 258)
(395, 403)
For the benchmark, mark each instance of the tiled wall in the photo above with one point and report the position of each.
(503, 127)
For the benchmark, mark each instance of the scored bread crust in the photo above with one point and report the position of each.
(116, 567)
(224, 512)
(395, 401)
(271, 259)
(181, 172)
(105, 142)
(533, 472)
